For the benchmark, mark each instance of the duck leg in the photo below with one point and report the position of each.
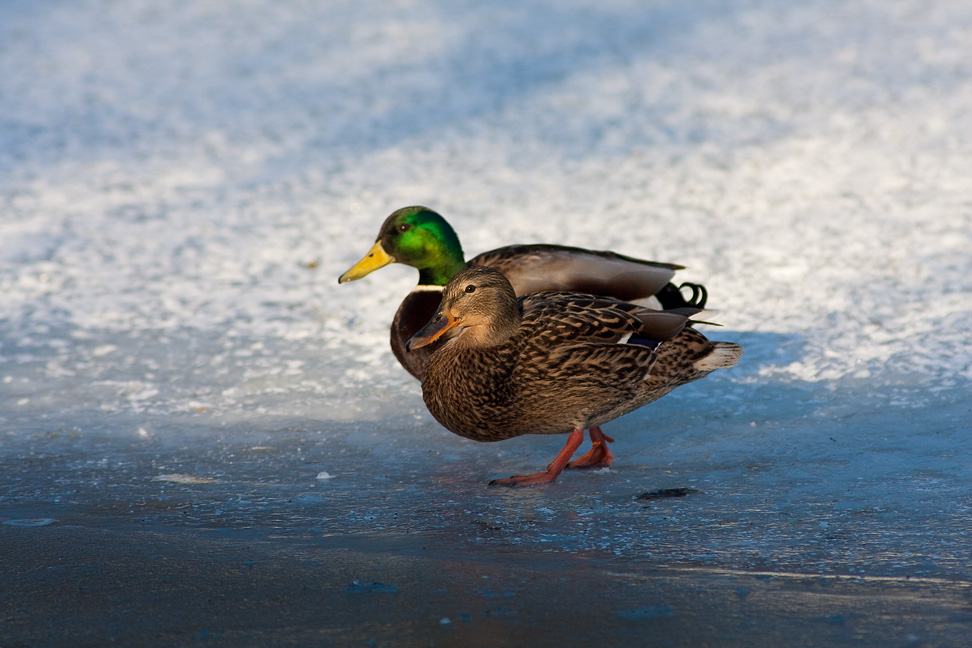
(555, 468)
(600, 455)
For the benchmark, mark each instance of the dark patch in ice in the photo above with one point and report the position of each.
(663, 493)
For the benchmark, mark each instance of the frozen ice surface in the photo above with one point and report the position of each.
(180, 374)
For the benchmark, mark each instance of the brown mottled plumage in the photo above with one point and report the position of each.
(553, 362)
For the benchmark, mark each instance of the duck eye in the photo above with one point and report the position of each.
(404, 227)
(471, 288)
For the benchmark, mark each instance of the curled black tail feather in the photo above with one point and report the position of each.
(699, 294)
(670, 297)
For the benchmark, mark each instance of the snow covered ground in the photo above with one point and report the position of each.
(182, 183)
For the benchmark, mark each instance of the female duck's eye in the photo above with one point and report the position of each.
(470, 288)
(404, 227)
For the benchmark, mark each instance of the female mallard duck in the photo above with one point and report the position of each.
(552, 362)
(421, 238)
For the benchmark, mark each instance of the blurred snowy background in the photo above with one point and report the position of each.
(182, 183)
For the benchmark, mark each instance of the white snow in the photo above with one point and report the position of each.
(181, 184)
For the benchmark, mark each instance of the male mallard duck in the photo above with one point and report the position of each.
(421, 238)
(551, 362)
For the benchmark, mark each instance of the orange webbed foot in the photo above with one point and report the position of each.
(526, 480)
(599, 456)
(553, 470)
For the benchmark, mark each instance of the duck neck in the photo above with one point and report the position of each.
(442, 266)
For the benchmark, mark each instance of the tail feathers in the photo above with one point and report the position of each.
(672, 298)
(722, 356)
(699, 294)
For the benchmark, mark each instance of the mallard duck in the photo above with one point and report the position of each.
(553, 362)
(421, 238)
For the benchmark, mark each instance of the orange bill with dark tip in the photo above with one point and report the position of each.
(441, 322)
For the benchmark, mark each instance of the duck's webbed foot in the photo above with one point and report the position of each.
(599, 456)
(553, 470)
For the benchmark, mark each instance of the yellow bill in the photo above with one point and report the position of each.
(376, 258)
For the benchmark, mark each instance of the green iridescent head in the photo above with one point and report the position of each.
(415, 236)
